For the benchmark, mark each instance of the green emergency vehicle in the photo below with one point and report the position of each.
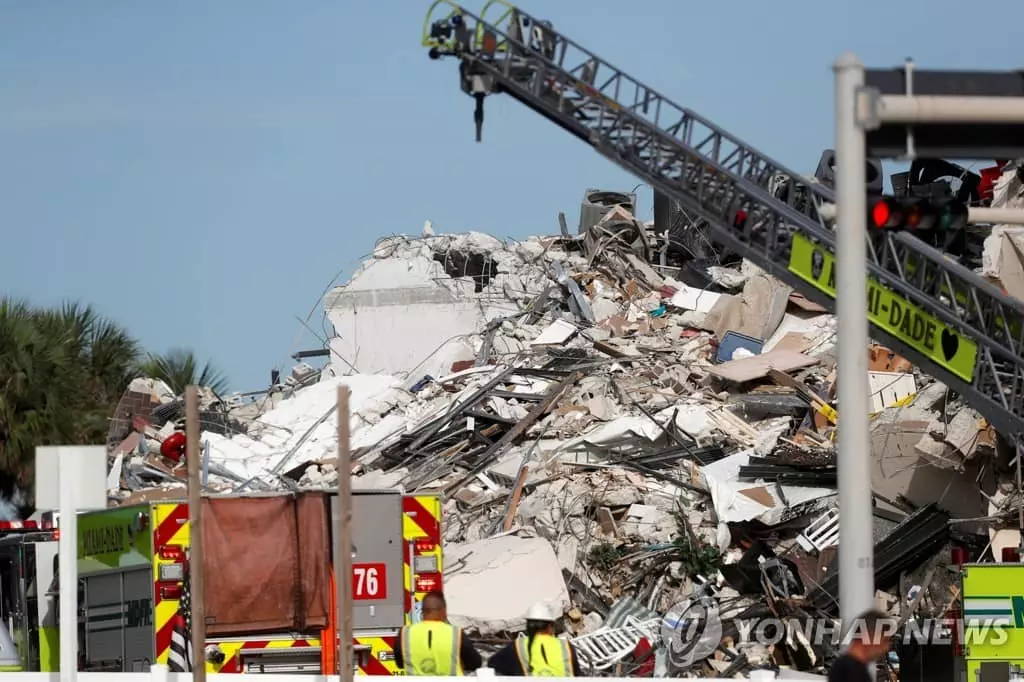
(29, 628)
(993, 622)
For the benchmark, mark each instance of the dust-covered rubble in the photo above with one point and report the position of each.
(607, 437)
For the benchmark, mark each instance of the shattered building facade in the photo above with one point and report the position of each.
(614, 433)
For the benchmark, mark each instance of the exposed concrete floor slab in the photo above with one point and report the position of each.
(493, 582)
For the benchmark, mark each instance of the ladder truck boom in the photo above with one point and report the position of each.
(946, 318)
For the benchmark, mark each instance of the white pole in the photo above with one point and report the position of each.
(996, 216)
(67, 548)
(950, 109)
(856, 548)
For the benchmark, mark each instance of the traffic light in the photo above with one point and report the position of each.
(919, 214)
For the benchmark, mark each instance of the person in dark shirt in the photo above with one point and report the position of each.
(869, 641)
(435, 611)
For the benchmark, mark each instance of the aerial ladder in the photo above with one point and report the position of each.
(947, 319)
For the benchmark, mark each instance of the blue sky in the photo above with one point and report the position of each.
(200, 171)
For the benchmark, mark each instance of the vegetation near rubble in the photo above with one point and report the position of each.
(62, 372)
(696, 556)
(603, 556)
(179, 368)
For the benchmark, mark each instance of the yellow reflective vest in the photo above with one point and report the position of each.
(548, 656)
(432, 648)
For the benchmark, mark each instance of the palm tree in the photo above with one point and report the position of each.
(34, 371)
(62, 372)
(109, 353)
(107, 356)
(179, 368)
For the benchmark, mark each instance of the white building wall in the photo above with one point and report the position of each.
(395, 313)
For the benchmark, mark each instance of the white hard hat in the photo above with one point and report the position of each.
(541, 612)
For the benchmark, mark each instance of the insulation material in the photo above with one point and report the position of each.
(267, 564)
(757, 312)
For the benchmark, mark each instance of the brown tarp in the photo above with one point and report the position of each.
(266, 564)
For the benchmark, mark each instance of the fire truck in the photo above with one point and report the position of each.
(28, 587)
(992, 647)
(132, 566)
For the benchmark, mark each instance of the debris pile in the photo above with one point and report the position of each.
(608, 437)
(1003, 256)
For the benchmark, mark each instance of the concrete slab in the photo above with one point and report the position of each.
(494, 581)
(897, 469)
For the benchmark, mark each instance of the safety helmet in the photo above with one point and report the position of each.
(541, 612)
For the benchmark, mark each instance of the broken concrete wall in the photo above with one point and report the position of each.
(411, 298)
(900, 470)
(757, 313)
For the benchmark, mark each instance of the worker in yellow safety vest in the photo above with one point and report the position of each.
(539, 653)
(433, 647)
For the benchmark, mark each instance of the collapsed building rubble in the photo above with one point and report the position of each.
(609, 438)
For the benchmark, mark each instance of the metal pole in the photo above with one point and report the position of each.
(67, 547)
(193, 455)
(856, 549)
(343, 543)
(950, 109)
(996, 216)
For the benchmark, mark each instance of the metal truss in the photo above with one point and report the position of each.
(750, 203)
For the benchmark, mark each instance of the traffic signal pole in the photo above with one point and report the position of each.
(864, 114)
(948, 109)
(856, 523)
(996, 216)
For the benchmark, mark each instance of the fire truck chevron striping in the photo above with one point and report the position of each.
(131, 561)
(421, 533)
(234, 651)
(170, 539)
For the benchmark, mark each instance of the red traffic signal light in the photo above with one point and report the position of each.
(881, 212)
(912, 213)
